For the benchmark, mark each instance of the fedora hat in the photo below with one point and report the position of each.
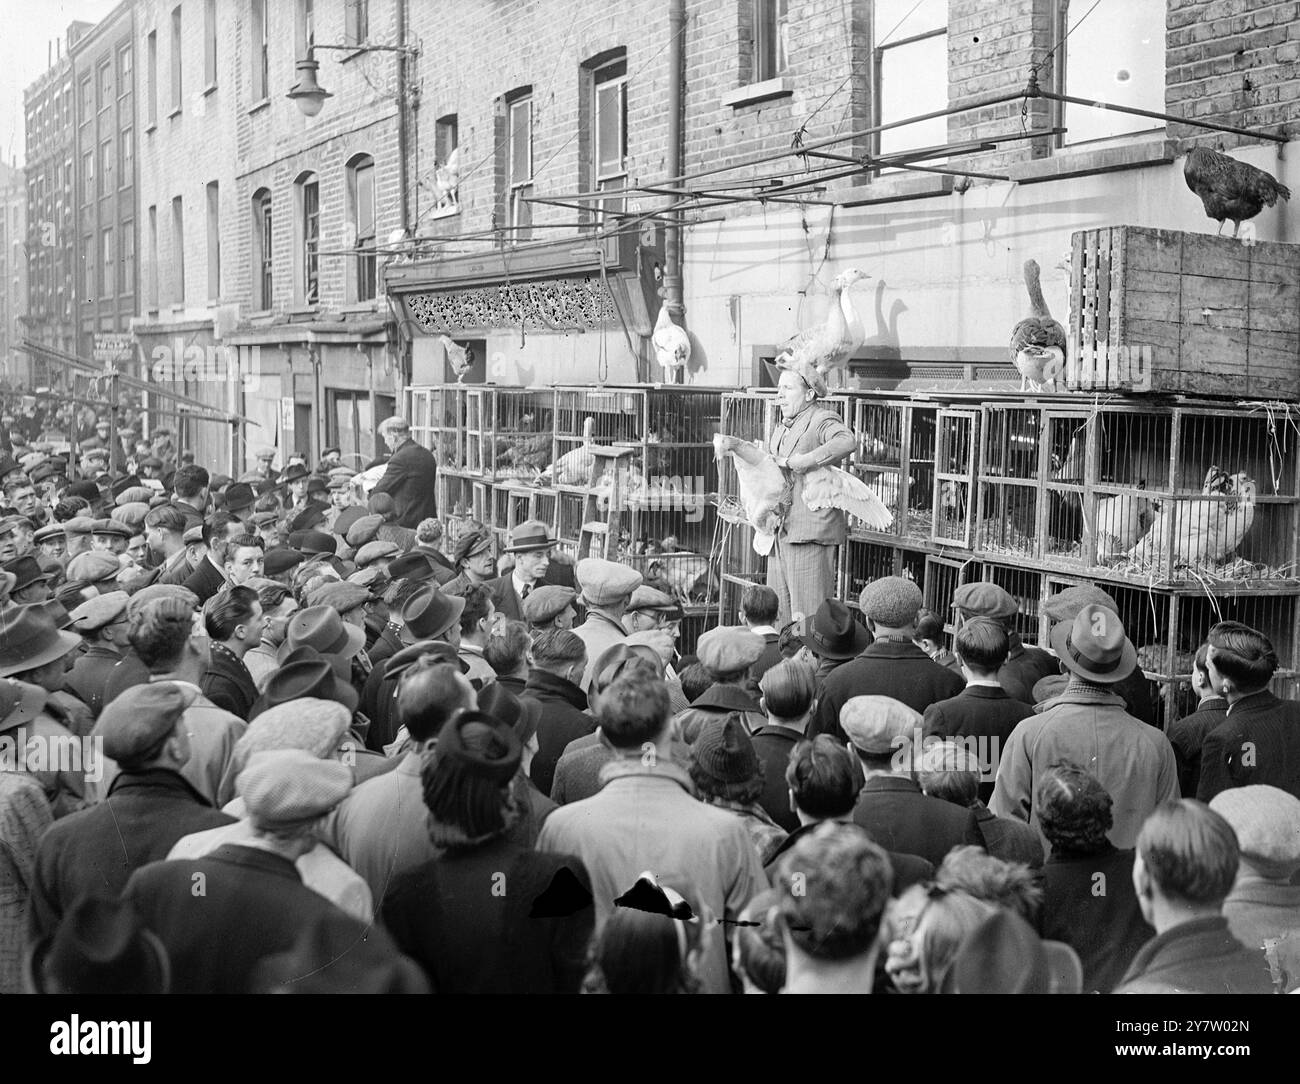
(29, 638)
(832, 632)
(530, 535)
(1094, 646)
(321, 628)
(26, 572)
(293, 473)
(521, 714)
(304, 672)
(100, 947)
(239, 496)
(429, 611)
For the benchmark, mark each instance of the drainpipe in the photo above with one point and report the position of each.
(672, 288)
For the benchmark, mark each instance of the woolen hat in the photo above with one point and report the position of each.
(832, 632)
(25, 571)
(530, 535)
(1094, 646)
(100, 947)
(521, 714)
(891, 601)
(305, 673)
(429, 612)
(878, 724)
(724, 751)
(1004, 955)
(985, 600)
(321, 628)
(375, 551)
(340, 594)
(136, 721)
(547, 602)
(283, 788)
(1066, 605)
(279, 560)
(1267, 822)
(364, 530)
(99, 611)
(471, 544)
(604, 582)
(647, 599)
(729, 649)
(30, 639)
(93, 566)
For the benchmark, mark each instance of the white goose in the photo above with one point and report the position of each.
(829, 345)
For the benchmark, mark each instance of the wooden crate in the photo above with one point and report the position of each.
(1166, 311)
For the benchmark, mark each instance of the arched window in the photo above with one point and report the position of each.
(262, 284)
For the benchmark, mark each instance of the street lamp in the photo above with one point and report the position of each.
(309, 94)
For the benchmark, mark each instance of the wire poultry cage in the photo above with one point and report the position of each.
(437, 416)
(895, 457)
(514, 503)
(510, 432)
(459, 496)
(862, 561)
(956, 458)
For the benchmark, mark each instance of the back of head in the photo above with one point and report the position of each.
(478, 604)
(1012, 885)
(949, 770)
(947, 918)
(556, 650)
(982, 644)
(696, 681)
(1074, 809)
(1190, 852)
(760, 952)
(788, 689)
(759, 604)
(188, 481)
(428, 695)
(823, 778)
(1243, 654)
(227, 610)
(641, 952)
(832, 889)
(467, 780)
(506, 650)
(159, 631)
(634, 709)
(929, 626)
(428, 532)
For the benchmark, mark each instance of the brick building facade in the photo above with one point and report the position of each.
(13, 273)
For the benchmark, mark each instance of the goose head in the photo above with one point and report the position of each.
(848, 277)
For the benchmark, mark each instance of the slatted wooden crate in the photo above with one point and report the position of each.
(1166, 311)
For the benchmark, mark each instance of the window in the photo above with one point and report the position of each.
(1117, 55)
(214, 240)
(210, 43)
(87, 99)
(362, 197)
(446, 141)
(106, 184)
(88, 262)
(124, 71)
(127, 285)
(151, 51)
(178, 248)
(910, 69)
(105, 85)
(88, 176)
(262, 249)
(309, 236)
(609, 128)
(304, 27)
(128, 158)
(519, 164)
(356, 21)
(771, 38)
(177, 87)
(107, 263)
(260, 51)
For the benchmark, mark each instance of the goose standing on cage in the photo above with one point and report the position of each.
(1038, 341)
(829, 346)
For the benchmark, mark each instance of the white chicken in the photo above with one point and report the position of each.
(446, 181)
(576, 467)
(672, 344)
(1205, 531)
(1038, 341)
(830, 487)
(829, 345)
(1122, 520)
(460, 358)
(764, 491)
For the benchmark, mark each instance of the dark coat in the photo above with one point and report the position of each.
(1009, 839)
(206, 580)
(1197, 957)
(1089, 903)
(978, 711)
(773, 745)
(387, 644)
(89, 675)
(909, 869)
(126, 674)
(770, 657)
(99, 848)
(1187, 736)
(901, 818)
(1272, 728)
(254, 904)
(505, 598)
(564, 719)
(717, 702)
(886, 668)
(472, 939)
(1024, 667)
(228, 684)
(408, 479)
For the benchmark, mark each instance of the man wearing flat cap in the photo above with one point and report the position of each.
(801, 566)
(150, 805)
(891, 665)
(164, 534)
(102, 623)
(255, 904)
(474, 560)
(1025, 666)
(727, 653)
(606, 590)
(1089, 725)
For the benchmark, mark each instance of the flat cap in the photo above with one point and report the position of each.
(364, 530)
(280, 559)
(729, 649)
(374, 579)
(134, 494)
(286, 787)
(375, 551)
(134, 722)
(652, 600)
(1067, 605)
(472, 543)
(603, 581)
(307, 723)
(53, 530)
(891, 601)
(340, 594)
(547, 602)
(168, 518)
(76, 525)
(985, 600)
(112, 527)
(132, 515)
(878, 724)
(343, 481)
(93, 567)
(99, 611)
(1267, 823)
(155, 591)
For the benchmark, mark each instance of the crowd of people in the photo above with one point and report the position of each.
(329, 749)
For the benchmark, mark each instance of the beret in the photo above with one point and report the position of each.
(99, 611)
(605, 581)
(875, 724)
(93, 567)
(134, 495)
(375, 551)
(985, 600)
(364, 530)
(280, 560)
(1067, 605)
(891, 601)
(728, 649)
(286, 787)
(1267, 823)
(79, 525)
(135, 721)
(547, 602)
(53, 530)
(340, 594)
(111, 526)
(472, 543)
(652, 599)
